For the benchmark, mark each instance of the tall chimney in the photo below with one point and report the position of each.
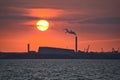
(28, 46)
(76, 44)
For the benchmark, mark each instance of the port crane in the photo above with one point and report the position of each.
(87, 50)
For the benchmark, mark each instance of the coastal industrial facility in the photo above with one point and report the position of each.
(60, 53)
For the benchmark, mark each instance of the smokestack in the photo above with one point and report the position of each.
(76, 44)
(28, 46)
(73, 33)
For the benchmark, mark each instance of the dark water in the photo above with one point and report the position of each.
(59, 69)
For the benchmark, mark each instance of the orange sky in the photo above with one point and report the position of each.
(95, 23)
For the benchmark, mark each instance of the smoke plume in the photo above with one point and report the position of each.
(70, 31)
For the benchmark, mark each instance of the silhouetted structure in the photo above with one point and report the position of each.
(58, 53)
(52, 50)
(87, 50)
(28, 48)
(76, 41)
(76, 44)
(115, 51)
(102, 50)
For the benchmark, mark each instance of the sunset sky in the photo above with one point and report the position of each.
(96, 22)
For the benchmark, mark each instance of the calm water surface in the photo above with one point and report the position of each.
(59, 69)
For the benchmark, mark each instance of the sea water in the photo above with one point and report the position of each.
(59, 69)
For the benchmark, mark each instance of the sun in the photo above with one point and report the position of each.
(42, 25)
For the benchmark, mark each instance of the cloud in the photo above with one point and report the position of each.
(108, 20)
(14, 12)
(63, 4)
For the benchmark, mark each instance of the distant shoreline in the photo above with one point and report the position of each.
(59, 56)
